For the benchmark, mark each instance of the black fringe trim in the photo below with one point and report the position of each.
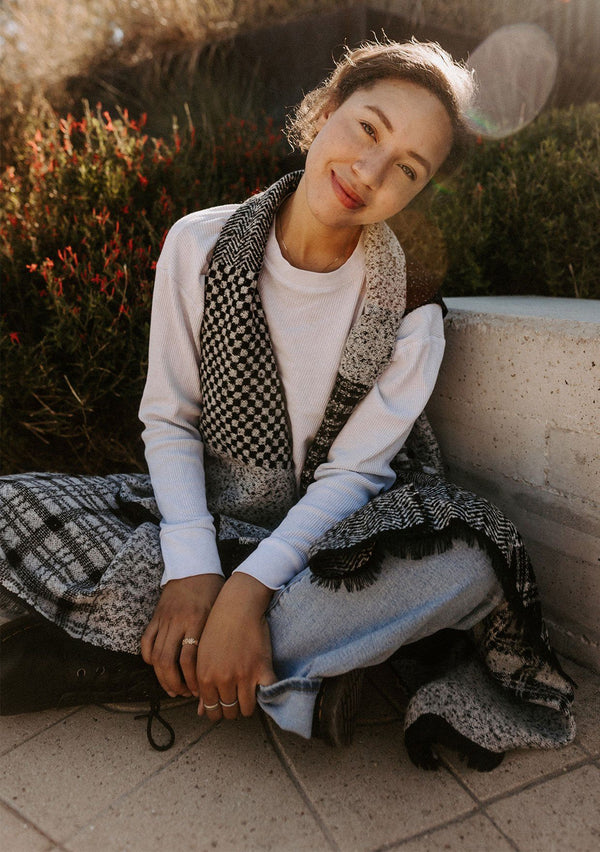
(358, 566)
(334, 568)
(430, 730)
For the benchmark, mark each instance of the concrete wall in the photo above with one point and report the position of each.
(516, 410)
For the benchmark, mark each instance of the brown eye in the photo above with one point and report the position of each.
(368, 129)
(410, 173)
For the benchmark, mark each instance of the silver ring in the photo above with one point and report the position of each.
(224, 704)
(190, 640)
(211, 706)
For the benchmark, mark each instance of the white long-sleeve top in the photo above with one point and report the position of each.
(309, 316)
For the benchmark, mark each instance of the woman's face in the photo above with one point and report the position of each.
(375, 152)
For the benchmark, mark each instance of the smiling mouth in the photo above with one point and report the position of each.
(350, 199)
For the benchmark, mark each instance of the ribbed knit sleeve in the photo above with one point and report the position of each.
(170, 405)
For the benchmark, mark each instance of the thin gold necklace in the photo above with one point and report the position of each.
(279, 233)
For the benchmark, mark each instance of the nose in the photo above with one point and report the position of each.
(370, 168)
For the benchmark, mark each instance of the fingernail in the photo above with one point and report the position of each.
(172, 694)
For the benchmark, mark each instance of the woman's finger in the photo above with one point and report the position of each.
(187, 662)
(230, 706)
(147, 640)
(247, 698)
(210, 707)
(165, 659)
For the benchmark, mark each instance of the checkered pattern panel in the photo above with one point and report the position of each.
(243, 409)
(243, 412)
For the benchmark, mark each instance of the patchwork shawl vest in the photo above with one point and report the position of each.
(244, 424)
(251, 482)
(85, 551)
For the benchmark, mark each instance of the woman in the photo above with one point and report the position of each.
(289, 361)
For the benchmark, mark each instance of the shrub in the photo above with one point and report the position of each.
(521, 216)
(84, 209)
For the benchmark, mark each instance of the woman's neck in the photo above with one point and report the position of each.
(306, 243)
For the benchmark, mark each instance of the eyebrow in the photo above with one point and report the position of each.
(388, 125)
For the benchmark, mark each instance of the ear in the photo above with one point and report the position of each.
(328, 108)
(322, 119)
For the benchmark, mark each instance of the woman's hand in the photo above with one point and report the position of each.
(181, 612)
(234, 655)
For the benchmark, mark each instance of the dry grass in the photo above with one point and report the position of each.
(146, 55)
(150, 55)
(574, 26)
(45, 42)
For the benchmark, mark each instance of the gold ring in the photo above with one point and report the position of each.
(190, 640)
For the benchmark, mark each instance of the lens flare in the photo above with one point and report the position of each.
(515, 68)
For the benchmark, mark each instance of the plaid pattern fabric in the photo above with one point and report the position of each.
(83, 551)
(523, 661)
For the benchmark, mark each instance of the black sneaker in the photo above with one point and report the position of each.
(41, 668)
(336, 708)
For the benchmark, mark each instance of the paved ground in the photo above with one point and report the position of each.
(86, 779)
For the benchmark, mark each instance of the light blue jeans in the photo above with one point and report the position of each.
(317, 633)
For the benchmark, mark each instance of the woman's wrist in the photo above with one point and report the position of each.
(249, 591)
(198, 582)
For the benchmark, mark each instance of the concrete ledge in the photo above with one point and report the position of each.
(516, 412)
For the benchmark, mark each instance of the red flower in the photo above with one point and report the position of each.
(14, 337)
(102, 217)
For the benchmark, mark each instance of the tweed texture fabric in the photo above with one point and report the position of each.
(84, 551)
(424, 514)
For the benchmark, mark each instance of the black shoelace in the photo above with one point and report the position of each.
(152, 715)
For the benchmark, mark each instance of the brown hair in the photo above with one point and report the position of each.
(424, 63)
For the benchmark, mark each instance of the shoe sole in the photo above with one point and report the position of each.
(337, 708)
